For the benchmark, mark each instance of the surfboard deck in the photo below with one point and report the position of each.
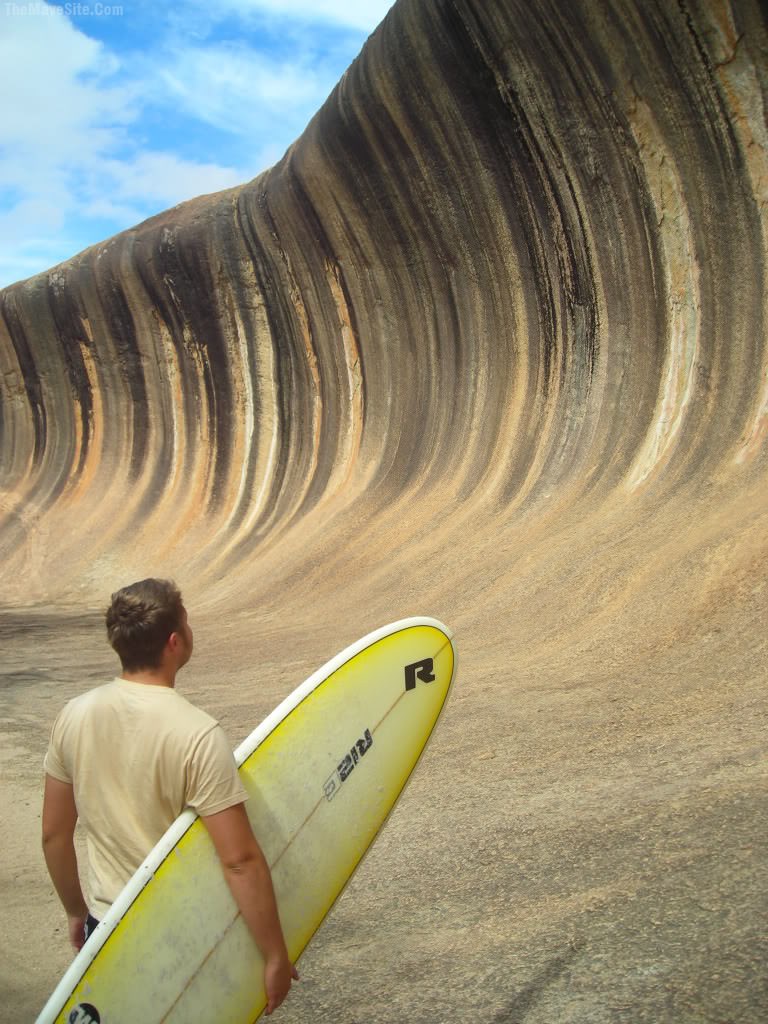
(322, 773)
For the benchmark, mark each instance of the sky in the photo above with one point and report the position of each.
(112, 112)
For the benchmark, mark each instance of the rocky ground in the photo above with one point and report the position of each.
(585, 840)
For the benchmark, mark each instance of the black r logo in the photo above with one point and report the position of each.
(423, 670)
(84, 1013)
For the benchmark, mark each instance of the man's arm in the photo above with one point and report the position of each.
(59, 820)
(249, 880)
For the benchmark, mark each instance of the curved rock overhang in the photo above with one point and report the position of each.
(512, 273)
(489, 343)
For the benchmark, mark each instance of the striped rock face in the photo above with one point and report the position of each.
(508, 290)
(488, 344)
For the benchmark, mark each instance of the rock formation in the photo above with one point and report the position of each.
(488, 343)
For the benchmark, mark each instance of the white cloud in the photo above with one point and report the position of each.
(61, 101)
(160, 179)
(95, 138)
(363, 15)
(239, 90)
(66, 152)
(40, 210)
(164, 178)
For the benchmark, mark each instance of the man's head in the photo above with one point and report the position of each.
(141, 619)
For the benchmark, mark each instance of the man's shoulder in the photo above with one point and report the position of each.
(123, 695)
(103, 693)
(192, 714)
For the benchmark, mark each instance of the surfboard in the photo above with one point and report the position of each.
(322, 772)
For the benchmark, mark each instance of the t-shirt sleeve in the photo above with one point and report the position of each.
(213, 782)
(53, 764)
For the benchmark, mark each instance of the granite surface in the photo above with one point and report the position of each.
(489, 343)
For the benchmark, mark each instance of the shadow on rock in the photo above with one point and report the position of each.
(529, 995)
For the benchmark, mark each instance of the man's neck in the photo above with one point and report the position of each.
(161, 676)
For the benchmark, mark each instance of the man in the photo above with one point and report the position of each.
(129, 756)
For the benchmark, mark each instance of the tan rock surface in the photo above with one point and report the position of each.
(488, 344)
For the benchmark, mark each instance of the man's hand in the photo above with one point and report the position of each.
(76, 925)
(278, 975)
(247, 874)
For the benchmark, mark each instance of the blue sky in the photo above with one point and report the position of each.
(112, 112)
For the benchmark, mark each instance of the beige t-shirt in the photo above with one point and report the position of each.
(137, 755)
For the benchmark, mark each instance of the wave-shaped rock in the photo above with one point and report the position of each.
(488, 343)
(518, 258)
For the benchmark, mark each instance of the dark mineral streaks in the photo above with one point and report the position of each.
(490, 343)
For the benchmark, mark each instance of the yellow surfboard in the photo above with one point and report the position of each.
(322, 772)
